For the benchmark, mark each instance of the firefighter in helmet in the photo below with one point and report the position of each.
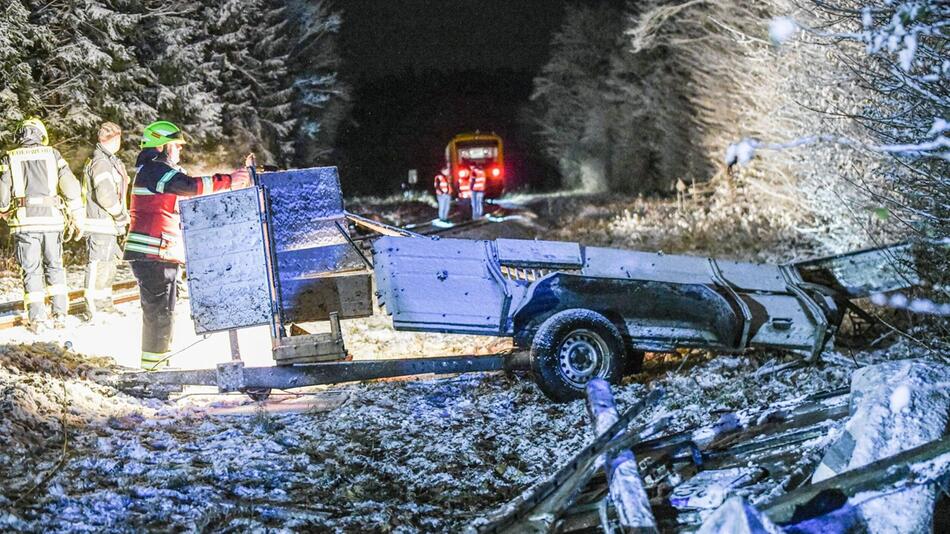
(40, 196)
(443, 195)
(154, 246)
(105, 184)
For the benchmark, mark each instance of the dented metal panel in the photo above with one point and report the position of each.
(655, 267)
(440, 285)
(307, 223)
(226, 267)
(781, 321)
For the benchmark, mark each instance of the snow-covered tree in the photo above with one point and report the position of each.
(571, 93)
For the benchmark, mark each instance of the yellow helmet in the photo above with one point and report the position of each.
(36, 123)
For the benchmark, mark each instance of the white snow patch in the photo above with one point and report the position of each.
(781, 29)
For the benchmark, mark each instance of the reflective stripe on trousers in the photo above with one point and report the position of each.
(154, 360)
(40, 255)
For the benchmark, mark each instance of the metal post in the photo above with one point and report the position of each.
(235, 348)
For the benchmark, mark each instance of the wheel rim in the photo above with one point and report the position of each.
(582, 356)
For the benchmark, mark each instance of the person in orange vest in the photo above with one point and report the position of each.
(443, 195)
(154, 247)
(478, 191)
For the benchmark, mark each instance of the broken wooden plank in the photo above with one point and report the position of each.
(623, 478)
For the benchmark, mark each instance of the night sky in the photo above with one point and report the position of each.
(423, 71)
(385, 36)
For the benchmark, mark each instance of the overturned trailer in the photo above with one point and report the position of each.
(582, 312)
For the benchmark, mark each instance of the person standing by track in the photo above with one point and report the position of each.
(154, 247)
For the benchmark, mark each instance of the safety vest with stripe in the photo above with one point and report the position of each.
(442, 185)
(478, 180)
(37, 185)
(104, 188)
(465, 187)
(155, 228)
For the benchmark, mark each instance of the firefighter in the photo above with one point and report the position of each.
(478, 191)
(41, 196)
(154, 245)
(443, 195)
(105, 184)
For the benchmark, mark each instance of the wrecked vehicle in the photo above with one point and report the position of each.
(583, 312)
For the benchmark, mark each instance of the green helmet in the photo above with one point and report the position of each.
(34, 124)
(160, 133)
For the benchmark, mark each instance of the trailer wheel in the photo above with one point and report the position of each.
(572, 347)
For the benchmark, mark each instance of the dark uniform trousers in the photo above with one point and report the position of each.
(41, 253)
(158, 292)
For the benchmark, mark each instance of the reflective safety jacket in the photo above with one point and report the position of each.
(36, 185)
(104, 187)
(155, 230)
(465, 187)
(478, 180)
(442, 186)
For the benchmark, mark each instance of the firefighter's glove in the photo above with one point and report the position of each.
(240, 178)
(73, 228)
(122, 219)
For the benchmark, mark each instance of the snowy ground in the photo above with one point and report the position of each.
(404, 455)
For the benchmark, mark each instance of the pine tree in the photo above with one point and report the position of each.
(571, 92)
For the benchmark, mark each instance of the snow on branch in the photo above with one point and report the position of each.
(743, 152)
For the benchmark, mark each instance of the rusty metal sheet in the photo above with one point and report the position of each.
(226, 267)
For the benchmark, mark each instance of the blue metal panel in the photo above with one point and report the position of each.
(306, 216)
(440, 285)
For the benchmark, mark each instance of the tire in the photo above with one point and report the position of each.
(572, 347)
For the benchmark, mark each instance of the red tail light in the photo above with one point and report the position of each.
(463, 173)
(496, 172)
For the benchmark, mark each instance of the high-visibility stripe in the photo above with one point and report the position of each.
(160, 186)
(20, 156)
(34, 297)
(144, 249)
(90, 291)
(100, 177)
(144, 238)
(54, 221)
(207, 185)
(100, 226)
(141, 191)
(154, 360)
(57, 289)
(36, 228)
